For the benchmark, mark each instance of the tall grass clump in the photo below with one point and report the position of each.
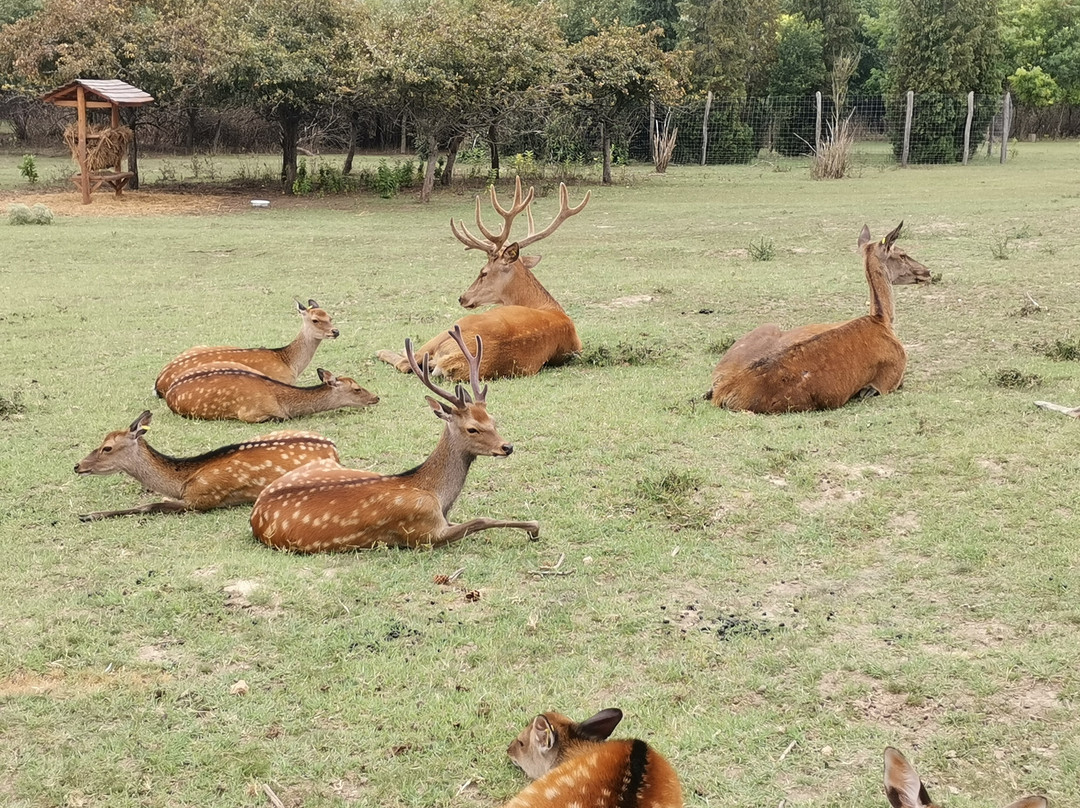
(663, 141)
(22, 214)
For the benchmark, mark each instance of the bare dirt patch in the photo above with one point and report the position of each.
(134, 203)
(62, 683)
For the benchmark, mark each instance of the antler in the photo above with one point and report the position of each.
(459, 398)
(565, 212)
(495, 241)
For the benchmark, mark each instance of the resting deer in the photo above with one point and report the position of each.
(325, 506)
(903, 269)
(575, 764)
(820, 366)
(528, 328)
(904, 789)
(226, 390)
(282, 364)
(227, 476)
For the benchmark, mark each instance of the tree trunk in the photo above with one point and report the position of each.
(605, 147)
(189, 135)
(133, 150)
(289, 120)
(429, 174)
(493, 142)
(347, 168)
(451, 158)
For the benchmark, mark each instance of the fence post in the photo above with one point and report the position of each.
(817, 123)
(652, 129)
(1006, 116)
(907, 127)
(705, 128)
(967, 126)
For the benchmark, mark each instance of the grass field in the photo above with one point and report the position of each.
(770, 600)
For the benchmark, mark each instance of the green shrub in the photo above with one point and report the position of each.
(28, 168)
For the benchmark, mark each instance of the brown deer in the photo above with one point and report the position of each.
(528, 328)
(227, 390)
(326, 507)
(281, 364)
(820, 366)
(575, 764)
(227, 476)
(903, 269)
(904, 789)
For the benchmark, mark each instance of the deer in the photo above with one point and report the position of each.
(576, 764)
(820, 366)
(527, 329)
(904, 789)
(324, 506)
(231, 475)
(227, 390)
(904, 270)
(281, 364)
(1072, 412)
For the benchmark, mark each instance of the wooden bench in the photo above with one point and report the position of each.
(116, 179)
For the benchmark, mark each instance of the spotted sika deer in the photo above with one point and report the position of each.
(326, 507)
(528, 328)
(226, 390)
(281, 364)
(820, 366)
(575, 764)
(904, 789)
(227, 476)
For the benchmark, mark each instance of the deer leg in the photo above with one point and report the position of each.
(167, 506)
(454, 532)
(431, 347)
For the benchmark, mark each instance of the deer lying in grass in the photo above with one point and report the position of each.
(227, 476)
(226, 390)
(325, 507)
(528, 328)
(820, 366)
(281, 364)
(575, 764)
(904, 789)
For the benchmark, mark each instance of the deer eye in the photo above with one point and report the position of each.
(106, 449)
(472, 430)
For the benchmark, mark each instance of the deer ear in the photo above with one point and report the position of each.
(529, 261)
(512, 252)
(1030, 802)
(441, 409)
(312, 304)
(300, 307)
(326, 377)
(601, 725)
(543, 733)
(889, 239)
(864, 236)
(903, 788)
(139, 425)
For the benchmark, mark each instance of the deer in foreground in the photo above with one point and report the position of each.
(528, 328)
(903, 269)
(820, 366)
(226, 390)
(281, 364)
(325, 507)
(904, 789)
(230, 475)
(575, 764)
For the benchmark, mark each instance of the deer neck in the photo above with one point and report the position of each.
(444, 472)
(159, 472)
(527, 291)
(299, 353)
(309, 400)
(881, 290)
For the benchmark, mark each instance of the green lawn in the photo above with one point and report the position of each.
(898, 572)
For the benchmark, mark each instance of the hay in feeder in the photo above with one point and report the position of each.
(104, 147)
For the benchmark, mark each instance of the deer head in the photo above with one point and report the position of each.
(317, 323)
(346, 392)
(115, 452)
(470, 427)
(551, 737)
(505, 264)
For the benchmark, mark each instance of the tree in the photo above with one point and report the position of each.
(943, 51)
(839, 20)
(798, 69)
(1041, 49)
(614, 74)
(732, 42)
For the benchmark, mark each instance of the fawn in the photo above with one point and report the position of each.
(904, 789)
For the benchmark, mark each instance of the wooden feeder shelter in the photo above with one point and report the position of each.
(98, 152)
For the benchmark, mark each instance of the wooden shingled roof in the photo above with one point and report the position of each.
(112, 91)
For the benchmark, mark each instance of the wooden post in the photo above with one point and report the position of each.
(404, 141)
(1006, 119)
(705, 128)
(817, 123)
(84, 172)
(652, 129)
(967, 126)
(907, 127)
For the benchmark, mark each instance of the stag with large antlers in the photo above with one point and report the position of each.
(325, 506)
(283, 364)
(820, 366)
(528, 328)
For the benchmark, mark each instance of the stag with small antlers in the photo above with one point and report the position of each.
(326, 507)
(230, 475)
(280, 364)
(227, 390)
(527, 329)
(820, 366)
